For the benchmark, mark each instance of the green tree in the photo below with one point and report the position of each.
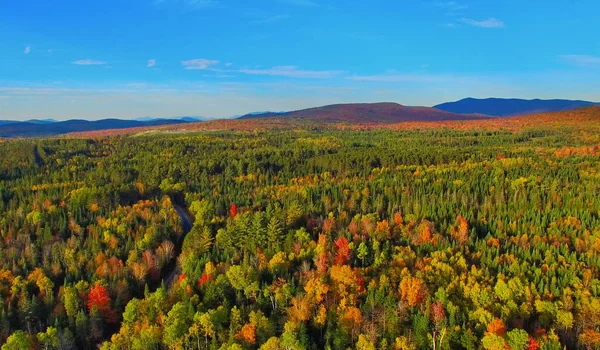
(19, 340)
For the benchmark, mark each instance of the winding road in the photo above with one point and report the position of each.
(186, 222)
(38, 158)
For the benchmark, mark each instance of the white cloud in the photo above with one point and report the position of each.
(280, 71)
(198, 63)
(582, 60)
(27, 50)
(488, 23)
(151, 63)
(88, 62)
(291, 72)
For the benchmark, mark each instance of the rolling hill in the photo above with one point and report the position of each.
(500, 107)
(384, 112)
(35, 128)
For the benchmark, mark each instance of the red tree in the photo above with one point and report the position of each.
(233, 210)
(204, 280)
(533, 344)
(99, 298)
(342, 251)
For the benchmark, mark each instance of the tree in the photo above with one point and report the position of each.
(164, 253)
(49, 339)
(497, 327)
(177, 323)
(98, 297)
(274, 233)
(364, 343)
(342, 251)
(205, 241)
(204, 325)
(19, 340)
(271, 344)
(517, 339)
(438, 317)
(238, 277)
(352, 320)
(300, 309)
(233, 211)
(258, 232)
(71, 302)
(493, 341)
(413, 291)
(247, 334)
(316, 290)
(461, 233)
(363, 252)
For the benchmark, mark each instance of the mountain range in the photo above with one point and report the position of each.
(36, 129)
(502, 107)
(384, 112)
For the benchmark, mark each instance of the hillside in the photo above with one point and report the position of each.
(500, 107)
(583, 119)
(36, 128)
(385, 112)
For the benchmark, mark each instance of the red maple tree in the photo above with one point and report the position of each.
(233, 210)
(98, 297)
(342, 251)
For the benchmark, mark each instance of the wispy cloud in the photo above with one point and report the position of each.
(300, 2)
(488, 23)
(199, 64)
(151, 63)
(581, 60)
(292, 72)
(396, 77)
(27, 50)
(277, 71)
(271, 19)
(88, 62)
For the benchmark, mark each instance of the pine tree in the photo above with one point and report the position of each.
(274, 234)
(258, 233)
(205, 241)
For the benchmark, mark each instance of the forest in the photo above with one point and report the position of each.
(304, 237)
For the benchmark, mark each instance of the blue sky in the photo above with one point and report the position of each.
(134, 58)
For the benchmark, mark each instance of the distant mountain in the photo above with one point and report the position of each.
(41, 128)
(189, 119)
(500, 107)
(385, 112)
(33, 121)
(42, 121)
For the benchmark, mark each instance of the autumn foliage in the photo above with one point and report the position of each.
(290, 234)
(99, 298)
(342, 251)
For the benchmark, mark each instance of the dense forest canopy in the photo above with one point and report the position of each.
(303, 238)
